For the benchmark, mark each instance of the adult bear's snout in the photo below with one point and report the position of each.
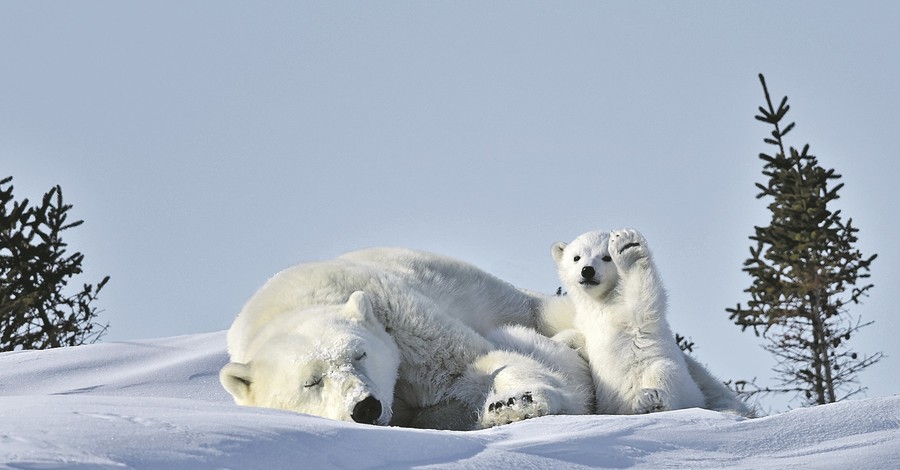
(367, 411)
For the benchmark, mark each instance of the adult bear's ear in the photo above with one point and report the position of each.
(359, 307)
(557, 251)
(236, 378)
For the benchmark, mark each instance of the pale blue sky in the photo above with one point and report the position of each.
(209, 144)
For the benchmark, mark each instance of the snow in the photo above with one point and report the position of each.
(158, 404)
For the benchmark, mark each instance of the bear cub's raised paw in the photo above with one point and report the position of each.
(626, 247)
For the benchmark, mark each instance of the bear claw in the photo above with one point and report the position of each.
(526, 399)
(651, 400)
(513, 409)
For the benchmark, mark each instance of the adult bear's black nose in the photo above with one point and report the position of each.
(588, 272)
(367, 411)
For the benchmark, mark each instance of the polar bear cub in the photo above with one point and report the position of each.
(620, 307)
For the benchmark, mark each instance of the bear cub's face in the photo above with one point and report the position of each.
(339, 364)
(585, 265)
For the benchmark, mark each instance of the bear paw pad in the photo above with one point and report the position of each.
(512, 409)
(627, 246)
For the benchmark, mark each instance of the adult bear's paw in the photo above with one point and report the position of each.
(505, 410)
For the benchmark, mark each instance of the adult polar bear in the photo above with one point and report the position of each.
(394, 336)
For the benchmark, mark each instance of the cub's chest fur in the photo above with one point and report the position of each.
(614, 333)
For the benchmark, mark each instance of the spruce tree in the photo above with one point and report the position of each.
(37, 309)
(805, 273)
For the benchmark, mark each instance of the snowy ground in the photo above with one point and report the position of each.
(158, 404)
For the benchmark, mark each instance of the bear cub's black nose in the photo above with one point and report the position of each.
(367, 411)
(587, 272)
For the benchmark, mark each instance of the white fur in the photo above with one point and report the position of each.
(718, 397)
(620, 307)
(404, 333)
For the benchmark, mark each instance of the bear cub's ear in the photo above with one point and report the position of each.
(236, 378)
(359, 307)
(557, 251)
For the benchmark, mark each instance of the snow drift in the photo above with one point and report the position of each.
(158, 404)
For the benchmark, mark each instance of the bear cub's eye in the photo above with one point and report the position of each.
(576, 259)
(607, 258)
(359, 357)
(313, 382)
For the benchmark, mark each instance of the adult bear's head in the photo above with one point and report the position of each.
(334, 361)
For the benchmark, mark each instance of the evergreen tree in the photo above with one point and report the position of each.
(35, 312)
(805, 273)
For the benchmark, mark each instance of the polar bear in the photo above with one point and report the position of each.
(401, 337)
(620, 307)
